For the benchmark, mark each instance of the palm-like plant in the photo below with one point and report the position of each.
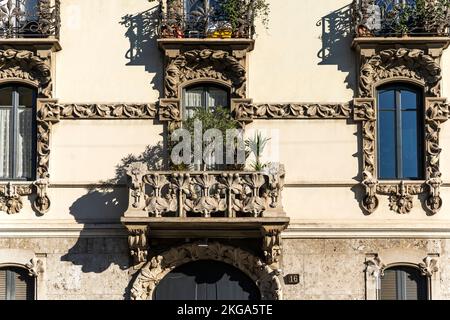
(256, 146)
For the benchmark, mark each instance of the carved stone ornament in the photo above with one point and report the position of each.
(11, 197)
(400, 63)
(159, 266)
(26, 65)
(42, 202)
(137, 242)
(35, 267)
(272, 247)
(429, 266)
(374, 266)
(230, 194)
(205, 64)
(249, 111)
(400, 195)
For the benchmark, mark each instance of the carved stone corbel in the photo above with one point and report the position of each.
(272, 246)
(42, 202)
(370, 201)
(138, 244)
(400, 195)
(374, 266)
(136, 171)
(35, 267)
(429, 266)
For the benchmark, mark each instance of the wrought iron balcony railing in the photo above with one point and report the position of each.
(226, 194)
(372, 18)
(204, 19)
(29, 18)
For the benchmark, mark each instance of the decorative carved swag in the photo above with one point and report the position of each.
(401, 65)
(266, 278)
(186, 194)
(48, 114)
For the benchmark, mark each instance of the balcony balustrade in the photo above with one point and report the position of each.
(205, 194)
(29, 19)
(393, 18)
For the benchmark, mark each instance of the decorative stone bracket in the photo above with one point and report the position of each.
(35, 267)
(401, 201)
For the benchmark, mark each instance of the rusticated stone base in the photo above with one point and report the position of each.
(100, 268)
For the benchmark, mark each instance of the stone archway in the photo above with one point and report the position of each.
(159, 266)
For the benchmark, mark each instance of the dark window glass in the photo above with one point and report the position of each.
(400, 133)
(16, 284)
(17, 129)
(403, 283)
(208, 97)
(206, 280)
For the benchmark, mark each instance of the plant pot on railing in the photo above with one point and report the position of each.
(219, 29)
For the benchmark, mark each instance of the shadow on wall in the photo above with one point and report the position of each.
(142, 34)
(96, 253)
(336, 43)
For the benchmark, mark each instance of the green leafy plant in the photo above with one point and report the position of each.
(256, 146)
(219, 118)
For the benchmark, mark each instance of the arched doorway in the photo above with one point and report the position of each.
(206, 280)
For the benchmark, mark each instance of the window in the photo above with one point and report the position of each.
(403, 283)
(202, 17)
(208, 97)
(400, 133)
(16, 284)
(17, 129)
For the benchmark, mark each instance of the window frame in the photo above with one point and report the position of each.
(400, 282)
(14, 131)
(398, 129)
(10, 272)
(205, 86)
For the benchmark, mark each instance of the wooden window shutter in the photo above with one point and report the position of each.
(389, 285)
(2, 284)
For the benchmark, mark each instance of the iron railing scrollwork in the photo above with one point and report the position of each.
(205, 21)
(401, 17)
(29, 19)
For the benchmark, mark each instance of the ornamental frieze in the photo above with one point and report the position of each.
(249, 111)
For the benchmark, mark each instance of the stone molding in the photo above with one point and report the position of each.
(376, 266)
(402, 64)
(159, 266)
(412, 64)
(205, 64)
(245, 110)
(26, 66)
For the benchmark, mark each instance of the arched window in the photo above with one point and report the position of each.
(206, 280)
(207, 97)
(16, 284)
(403, 283)
(17, 129)
(400, 132)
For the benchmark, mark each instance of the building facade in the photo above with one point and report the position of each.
(353, 202)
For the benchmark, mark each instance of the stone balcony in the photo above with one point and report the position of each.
(202, 204)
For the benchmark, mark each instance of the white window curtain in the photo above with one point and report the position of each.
(5, 142)
(24, 143)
